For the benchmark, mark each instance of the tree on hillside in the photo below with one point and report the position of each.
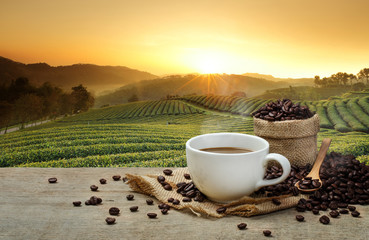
(65, 103)
(50, 96)
(364, 75)
(317, 81)
(19, 87)
(82, 99)
(133, 98)
(28, 108)
(340, 77)
(352, 77)
(6, 114)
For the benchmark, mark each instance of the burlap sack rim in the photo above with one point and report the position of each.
(287, 129)
(246, 206)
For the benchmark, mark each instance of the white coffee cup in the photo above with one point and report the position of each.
(224, 177)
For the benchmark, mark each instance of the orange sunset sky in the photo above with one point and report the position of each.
(285, 38)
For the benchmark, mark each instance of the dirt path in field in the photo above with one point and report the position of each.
(13, 129)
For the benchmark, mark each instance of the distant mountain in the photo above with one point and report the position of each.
(292, 81)
(96, 78)
(158, 88)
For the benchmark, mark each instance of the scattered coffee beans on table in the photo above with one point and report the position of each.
(114, 211)
(94, 188)
(149, 202)
(300, 218)
(130, 197)
(324, 219)
(282, 110)
(164, 211)
(93, 201)
(116, 177)
(152, 215)
(242, 226)
(110, 220)
(102, 181)
(133, 209)
(355, 213)
(77, 203)
(267, 233)
(52, 180)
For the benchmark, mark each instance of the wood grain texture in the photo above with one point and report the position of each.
(31, 208)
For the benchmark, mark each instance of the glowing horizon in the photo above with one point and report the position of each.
(283, 39)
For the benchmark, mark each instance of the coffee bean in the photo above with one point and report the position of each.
(168, 187)
(149, 202)
(282, 110)
(52, 180)
(315, 211)
(181, 184)
(187, 176)
(186, 199)
(102, 181)
(130, 197)
(133, 208)
(334, 214)
(110, 220)
(94, 188)
(300, 218)
(242, 226)
(114, 211)
(163, 206)
(324, 219)
(276, 201)
(87, 202)
(152, 215)
(344, 211)
(267, 233)
(342, 205)
(164, 211)
(355, 213)
(176, 202)
(77, 203)
(95, 200)
(167, 172)
(160, 179)
(125, 179)
(170, 200)
(221, 210)
(116, 177)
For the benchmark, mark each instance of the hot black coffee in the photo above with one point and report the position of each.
(228, 150)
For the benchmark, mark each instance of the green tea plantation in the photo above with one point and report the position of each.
(154, 133)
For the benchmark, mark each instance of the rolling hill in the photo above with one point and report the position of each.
(216, 84)
(96, 78)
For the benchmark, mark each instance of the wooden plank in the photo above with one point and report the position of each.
(31, 208)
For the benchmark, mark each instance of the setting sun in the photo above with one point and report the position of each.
(209, 64)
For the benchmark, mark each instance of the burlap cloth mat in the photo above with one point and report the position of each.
(246, 206)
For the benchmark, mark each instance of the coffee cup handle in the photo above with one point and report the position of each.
(286, 166)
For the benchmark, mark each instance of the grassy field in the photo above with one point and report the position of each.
(154, 133)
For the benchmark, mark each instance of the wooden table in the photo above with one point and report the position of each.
(31, 208)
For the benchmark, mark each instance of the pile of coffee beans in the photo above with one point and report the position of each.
(309, 183)
(344, 181)
(189, 191)
(282, 110)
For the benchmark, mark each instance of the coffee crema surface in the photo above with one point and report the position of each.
(228, 150)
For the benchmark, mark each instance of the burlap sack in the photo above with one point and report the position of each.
(294, 139)
(246, 206)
